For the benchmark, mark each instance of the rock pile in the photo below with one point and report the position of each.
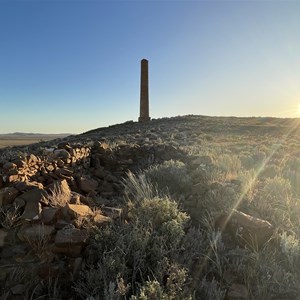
(49, 198)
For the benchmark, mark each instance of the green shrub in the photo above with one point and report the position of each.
(135, 251)
(171, 177)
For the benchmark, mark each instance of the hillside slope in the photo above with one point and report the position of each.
(190, 207)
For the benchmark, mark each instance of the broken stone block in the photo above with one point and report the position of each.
(35, 232)
(33, 206)
(71, 237)
(247, 229)
(112, 212)
(8, 166)
(21, 163)
(48, 215)
(60, 185)
(28, 185)
(100, 220)
(86, 184)
(75, 210)
(8, 195)
(3, 234)
(62, 153)
(69, 250)
(12, 178)
(33, 195)
(64, 173)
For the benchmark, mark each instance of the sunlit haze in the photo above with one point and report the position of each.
(71, 66)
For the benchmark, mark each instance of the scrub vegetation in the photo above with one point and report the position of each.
(172, 243)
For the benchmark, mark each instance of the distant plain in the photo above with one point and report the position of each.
(21, 139)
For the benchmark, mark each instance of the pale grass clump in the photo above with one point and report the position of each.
(58, 197)
(138, 187)
(9, 218)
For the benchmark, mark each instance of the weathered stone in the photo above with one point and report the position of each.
(8, 195)
(62, 223)
(64, 172)
(50, 168)
(20, 163)
(12, 178)
(106, 187)
(76, 210)
(3, 235)
(48, 215)
(8, 166)
(27, 185)
(101, 220)
(35, 232)
(86, 184)
(60, 163)
(64, 145)
(62, 153)
(248, 230)
(33, 195)
(71, 237)
(69, 250)
(19, 203)
(112, 212)
(99, 172)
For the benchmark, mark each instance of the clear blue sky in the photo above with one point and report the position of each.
(71, 66)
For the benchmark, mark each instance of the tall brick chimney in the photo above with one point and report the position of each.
(144, 96)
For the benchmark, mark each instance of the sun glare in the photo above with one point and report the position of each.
(298, 110)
